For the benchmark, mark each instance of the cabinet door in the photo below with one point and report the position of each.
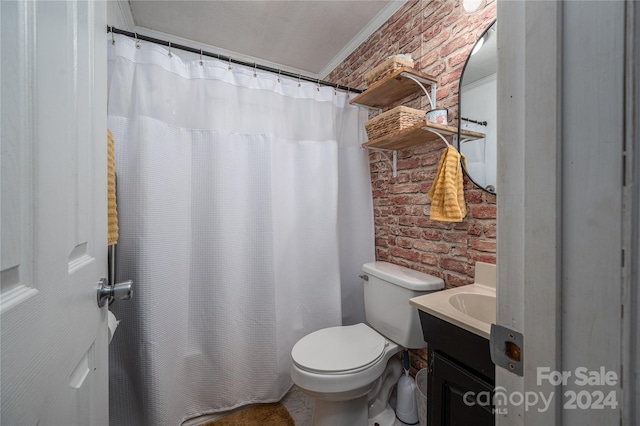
(446, 395)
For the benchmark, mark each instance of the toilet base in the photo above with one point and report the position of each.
(385, 418)
(354, 412)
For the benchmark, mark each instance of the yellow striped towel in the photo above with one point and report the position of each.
(446, 193)
(112, 212)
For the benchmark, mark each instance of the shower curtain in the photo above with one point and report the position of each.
(245, 214)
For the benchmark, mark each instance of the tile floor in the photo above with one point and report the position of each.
(300, 406)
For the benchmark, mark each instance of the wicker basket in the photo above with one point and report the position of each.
(386, 68)
(393, 120)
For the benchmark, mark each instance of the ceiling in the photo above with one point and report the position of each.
(312, 36)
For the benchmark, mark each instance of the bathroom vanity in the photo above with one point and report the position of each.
(456, 325)
(461, 374)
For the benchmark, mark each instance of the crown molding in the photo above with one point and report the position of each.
(382, 17)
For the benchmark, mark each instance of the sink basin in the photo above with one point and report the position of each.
(479, 306)
(471, 307)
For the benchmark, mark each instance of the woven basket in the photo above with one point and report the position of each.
(386, 68)
(395, 119)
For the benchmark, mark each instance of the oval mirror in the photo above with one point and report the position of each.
(478, 110)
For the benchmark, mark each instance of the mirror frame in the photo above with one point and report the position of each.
(464, 68)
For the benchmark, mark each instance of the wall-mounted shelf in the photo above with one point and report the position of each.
(393, 88)
(397, 86)
(420, 133)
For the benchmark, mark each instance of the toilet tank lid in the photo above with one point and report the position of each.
(404, 277)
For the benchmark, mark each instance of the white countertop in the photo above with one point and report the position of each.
(469, 307)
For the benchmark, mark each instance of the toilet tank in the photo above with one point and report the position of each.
(387, 290)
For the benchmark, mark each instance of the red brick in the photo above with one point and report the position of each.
(484, 212)
(455, 265)
(381, 242)
(442, 9)
(406, 220)
(473, 196)
(458, 280)
(382, 254)
(452, 76)
(489, 198)
(404, 188)
(464, 40)
(458, 251)
(418, 175)
(457, 59)
(482, 257)
(455, 237)
(400, 199)
(404, 242)
(431, 159)
(403, 177)
(429, 59)
(474, 229)
(425, 222)
(409, 163)
(431, 247)
(483, 245)
(407, 231)
(490, 230)
(432, 234)
(429, 259)
(415, 211)
(405, 254)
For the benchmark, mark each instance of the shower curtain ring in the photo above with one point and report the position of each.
(113, 40)
(170, 55)
(279, 72)
(298, 80)
(230, 63)
(255, 69)
(137, 41)
(201, 63)
(318, 88)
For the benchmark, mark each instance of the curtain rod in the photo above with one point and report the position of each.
(111, 29)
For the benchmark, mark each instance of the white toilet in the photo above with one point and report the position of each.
(347, 368)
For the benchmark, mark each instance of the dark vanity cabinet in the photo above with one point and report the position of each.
(461, 375)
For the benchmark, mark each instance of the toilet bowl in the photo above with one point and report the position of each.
(339, 366)
(342, 367)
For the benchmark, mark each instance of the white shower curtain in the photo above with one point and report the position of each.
(243, 197)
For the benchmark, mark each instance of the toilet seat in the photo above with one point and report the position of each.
(339, 350)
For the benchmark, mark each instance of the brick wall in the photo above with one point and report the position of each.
(439, 34)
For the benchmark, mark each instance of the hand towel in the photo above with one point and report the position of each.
(112, 212)
(446, 193)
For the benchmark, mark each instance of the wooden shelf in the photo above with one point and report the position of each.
(392, 88)
(420, 133)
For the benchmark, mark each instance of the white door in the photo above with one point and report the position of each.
(53, 335)
(561, 212)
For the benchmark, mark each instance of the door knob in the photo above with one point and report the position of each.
(122, 291)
